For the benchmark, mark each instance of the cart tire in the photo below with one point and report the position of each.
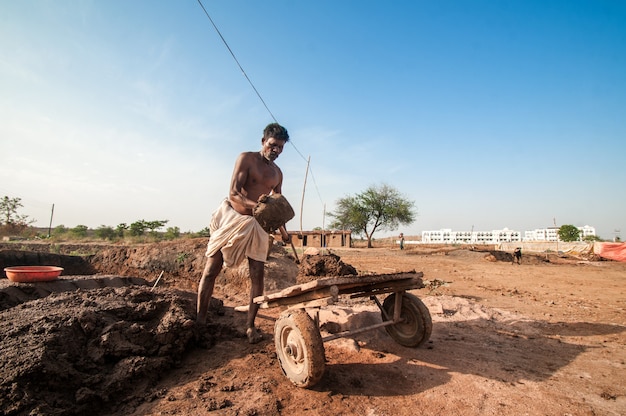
(417, 326)
(299, 348)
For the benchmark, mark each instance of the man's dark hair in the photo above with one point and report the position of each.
(276, 131)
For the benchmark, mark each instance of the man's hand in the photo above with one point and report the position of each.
(263, 198)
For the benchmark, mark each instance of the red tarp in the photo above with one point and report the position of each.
(611, 251)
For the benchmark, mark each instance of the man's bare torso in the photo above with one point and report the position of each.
(253, 176)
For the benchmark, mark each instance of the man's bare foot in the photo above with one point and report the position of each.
(254, 336)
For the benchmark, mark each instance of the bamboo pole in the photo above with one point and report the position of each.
(306, 174)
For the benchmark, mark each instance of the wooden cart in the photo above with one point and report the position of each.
(299, 344)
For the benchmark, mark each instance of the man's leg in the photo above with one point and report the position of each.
(256, 289)
(207, 283)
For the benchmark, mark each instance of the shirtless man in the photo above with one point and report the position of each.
(235, 234)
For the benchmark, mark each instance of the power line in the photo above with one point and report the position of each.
(235, 58)
(257, 93)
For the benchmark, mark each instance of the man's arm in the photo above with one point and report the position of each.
(238, 195)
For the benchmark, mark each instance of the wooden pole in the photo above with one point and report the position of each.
(50, 226)
(324, 245)
(306, 174)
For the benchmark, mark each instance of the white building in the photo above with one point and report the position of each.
(552, 233)
(448, 236)
(542, 234)
(587, 231)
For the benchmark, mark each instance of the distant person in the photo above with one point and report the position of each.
(235, 233)
(517, 256)
(401, 241)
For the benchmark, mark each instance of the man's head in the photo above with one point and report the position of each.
(276, 131)
(274, 138)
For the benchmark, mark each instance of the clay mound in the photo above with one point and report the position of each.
(314, 266)
(280, 272)
(74, 352)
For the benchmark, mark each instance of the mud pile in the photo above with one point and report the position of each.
(315, 266)
(74, 352)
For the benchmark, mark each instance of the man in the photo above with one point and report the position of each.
(235, 234)
(517, 255)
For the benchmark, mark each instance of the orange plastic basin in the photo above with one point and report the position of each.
(32, 273)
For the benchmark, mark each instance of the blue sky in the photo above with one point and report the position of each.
(486, 114)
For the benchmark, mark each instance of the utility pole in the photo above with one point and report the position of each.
(557, 235)
(306, 174)
(50, 226)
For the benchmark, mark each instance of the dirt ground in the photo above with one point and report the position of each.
(545, 337)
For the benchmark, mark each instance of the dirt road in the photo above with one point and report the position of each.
(542, 338)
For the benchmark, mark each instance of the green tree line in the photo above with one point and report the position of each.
(12, 223)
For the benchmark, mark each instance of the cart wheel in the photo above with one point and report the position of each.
(299, 348)
(417, 325)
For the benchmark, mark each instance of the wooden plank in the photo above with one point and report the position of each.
(323, 293)
(384, 287)
(343, 283)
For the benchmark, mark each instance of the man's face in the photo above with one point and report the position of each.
(271, 148)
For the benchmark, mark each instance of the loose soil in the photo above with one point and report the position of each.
(116, 335)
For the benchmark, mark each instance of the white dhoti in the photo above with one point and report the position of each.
(237, 236)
